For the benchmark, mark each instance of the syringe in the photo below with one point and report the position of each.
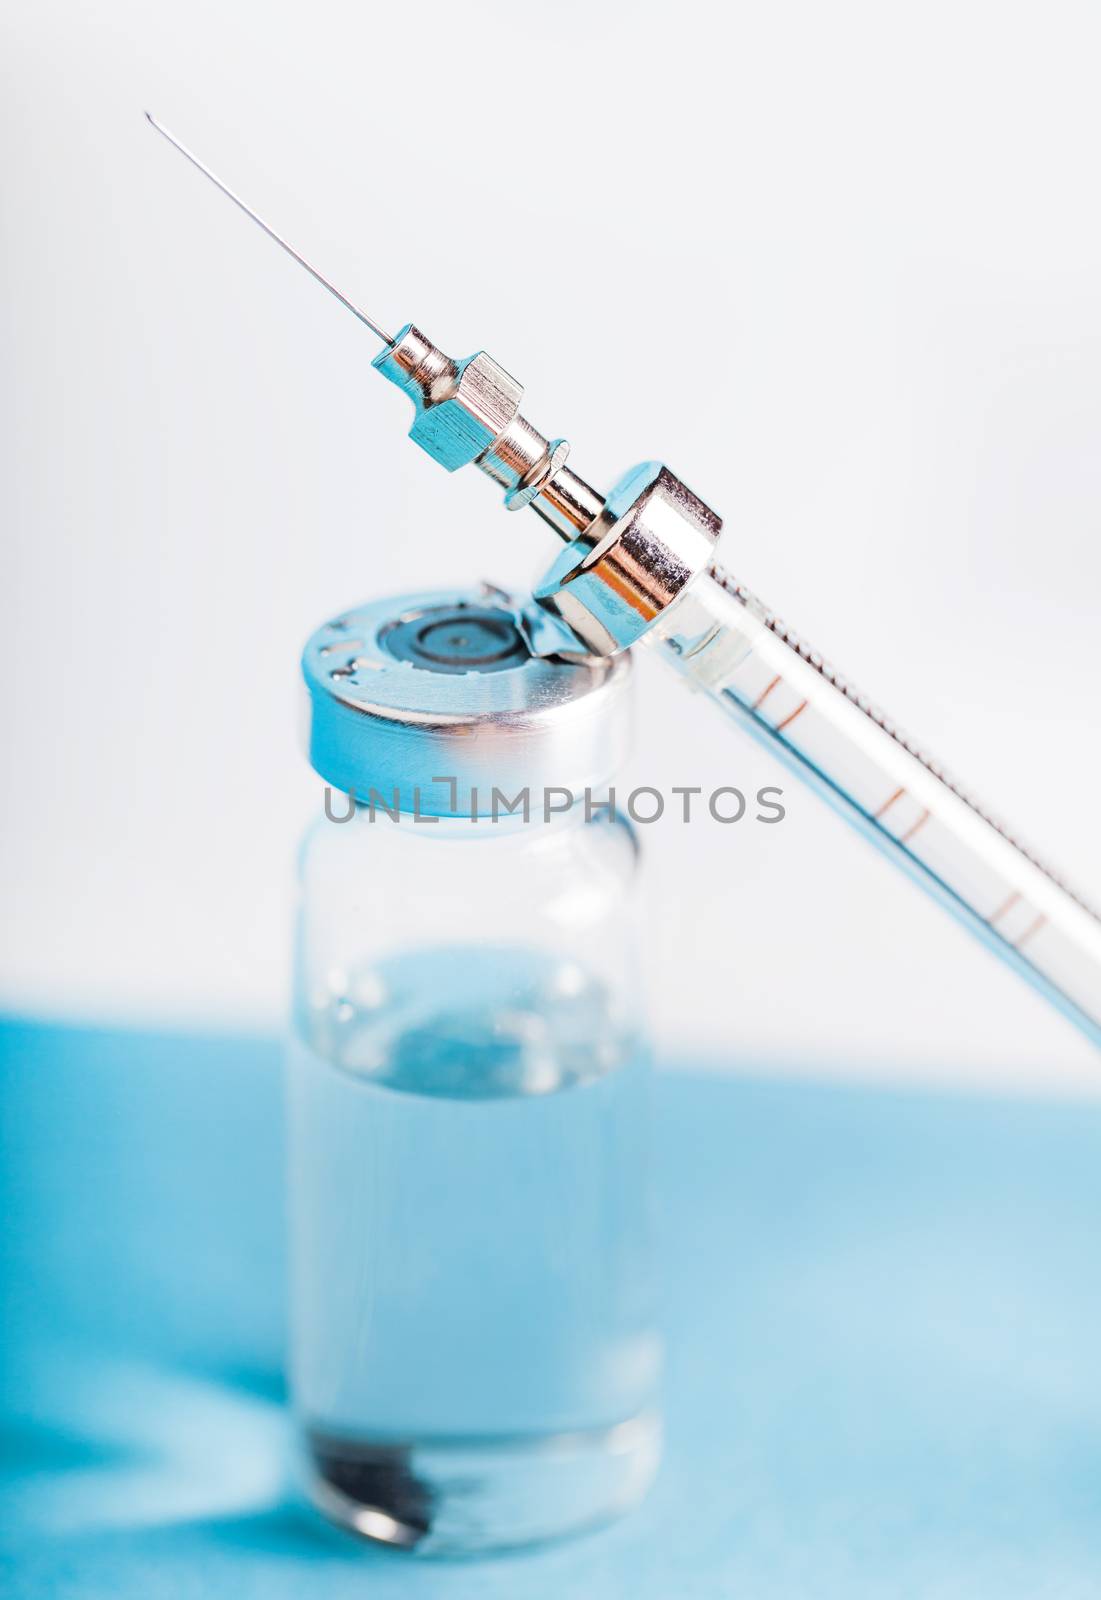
(639, 567)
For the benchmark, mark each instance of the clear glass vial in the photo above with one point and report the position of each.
(474, 1354)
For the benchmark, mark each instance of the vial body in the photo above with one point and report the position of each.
(474, 1351)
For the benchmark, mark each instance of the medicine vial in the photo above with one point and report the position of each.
(474, 1359)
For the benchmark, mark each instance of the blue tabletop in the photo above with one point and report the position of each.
(884, 1311)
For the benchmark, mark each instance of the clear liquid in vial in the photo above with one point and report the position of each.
(475, 1359)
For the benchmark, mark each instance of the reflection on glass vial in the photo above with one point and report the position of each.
(474, 1355)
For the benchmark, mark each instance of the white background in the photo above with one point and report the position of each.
(839, 265)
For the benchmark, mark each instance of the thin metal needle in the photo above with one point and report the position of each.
(271, 233)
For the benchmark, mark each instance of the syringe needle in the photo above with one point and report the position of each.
(271, 233)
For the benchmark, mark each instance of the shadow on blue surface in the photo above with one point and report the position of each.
(884, 1312)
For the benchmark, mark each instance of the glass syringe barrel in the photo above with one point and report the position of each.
(726, 643)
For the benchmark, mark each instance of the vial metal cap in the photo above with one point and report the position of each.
(435, 703)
